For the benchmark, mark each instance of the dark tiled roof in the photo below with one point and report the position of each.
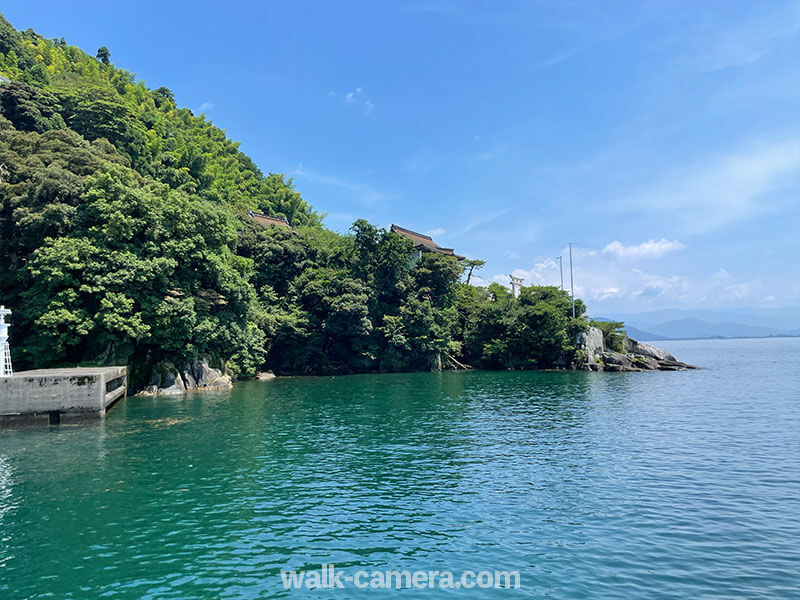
(423, 242)
(268, 221)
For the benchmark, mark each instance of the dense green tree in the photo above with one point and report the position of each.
(125, 239)
(103, 55)
(534, 330)
(472, 265)
(29, 108)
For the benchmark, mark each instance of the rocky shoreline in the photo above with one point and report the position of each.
(167, 380)
(198, 375)
(638, 356)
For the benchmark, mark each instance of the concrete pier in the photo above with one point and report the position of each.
(49, 396)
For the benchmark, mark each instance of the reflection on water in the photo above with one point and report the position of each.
(6, 506)
(590, 484)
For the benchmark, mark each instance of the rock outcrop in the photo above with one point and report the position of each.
(167, 379)
(648, 350)
(592, 343)
(638, 356)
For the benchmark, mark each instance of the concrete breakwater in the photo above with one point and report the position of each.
(60, 395)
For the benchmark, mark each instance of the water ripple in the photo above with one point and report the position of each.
(654, 485)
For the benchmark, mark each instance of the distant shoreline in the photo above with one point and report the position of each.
(749, 337)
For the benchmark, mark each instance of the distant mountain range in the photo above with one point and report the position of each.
(724, 323)
(643, 336)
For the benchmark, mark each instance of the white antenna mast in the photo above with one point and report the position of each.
(5, 351)
(561, 268)
(571, 285)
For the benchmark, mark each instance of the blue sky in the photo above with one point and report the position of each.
(662, 137)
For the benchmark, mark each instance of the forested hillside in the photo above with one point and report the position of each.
(125, 239)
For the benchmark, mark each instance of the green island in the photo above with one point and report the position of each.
(134, 232)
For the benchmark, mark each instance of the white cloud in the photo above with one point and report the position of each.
(206, 107)
(649, 249)
(436, 231)
(721, 275)
(605, 282)
(355, 98)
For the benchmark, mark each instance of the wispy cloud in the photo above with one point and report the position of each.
(206, 107)
(724, 190)
(348, 97)
(363, 193)
(485, 219)
(436, 231)
(354, 98)
(703, 49)
(596, 29)
(490, 154)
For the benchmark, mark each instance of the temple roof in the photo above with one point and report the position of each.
(423, 242)
(267, 221)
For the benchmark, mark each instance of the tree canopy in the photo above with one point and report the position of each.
(125, 239)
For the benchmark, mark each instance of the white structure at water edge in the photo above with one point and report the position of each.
(5, 351)
(50, 396)
(516, 282)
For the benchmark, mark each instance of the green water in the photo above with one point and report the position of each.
(617, 485)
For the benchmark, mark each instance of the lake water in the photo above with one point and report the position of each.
(591, 485)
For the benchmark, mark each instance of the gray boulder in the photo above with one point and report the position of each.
(207, 377)
(189, 380)
(168, 379)
(615, 358)
(643, 349)
(645, 362)
(614, 361)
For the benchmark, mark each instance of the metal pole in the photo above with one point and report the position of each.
(561, 268)
(571, 284)
(5, 351)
